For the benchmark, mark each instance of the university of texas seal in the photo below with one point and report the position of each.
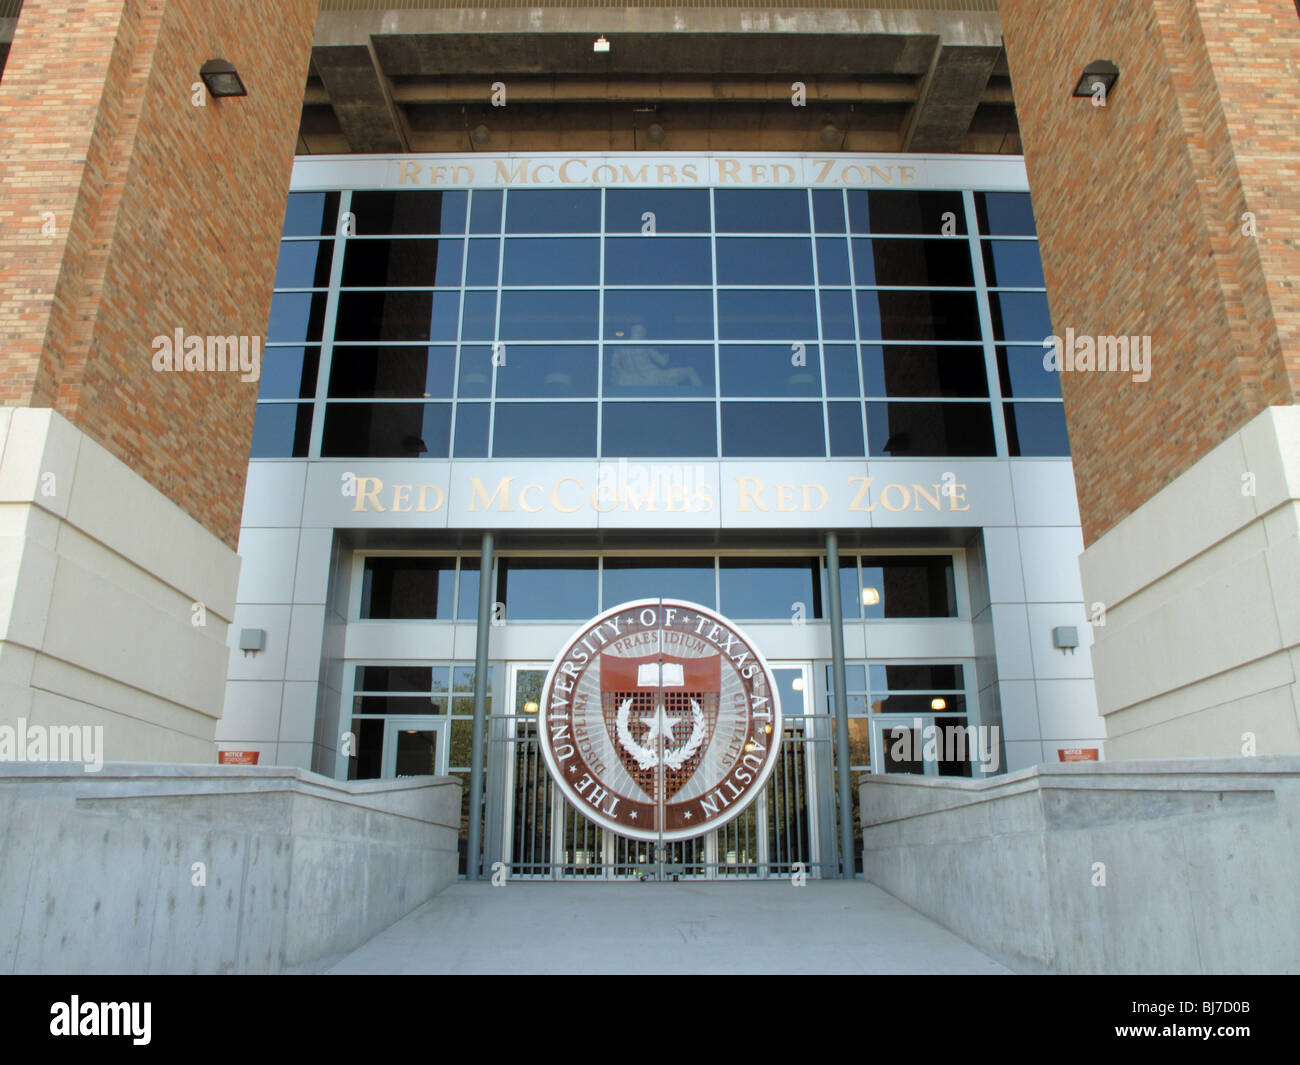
(660, 705)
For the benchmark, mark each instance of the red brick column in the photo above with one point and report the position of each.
(127, 212)
(1140, 209)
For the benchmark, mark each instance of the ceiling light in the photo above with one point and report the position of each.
(870, 597)
(601, 45)
(829, 134)
(938, 703)
(655, 133)
(530, 708)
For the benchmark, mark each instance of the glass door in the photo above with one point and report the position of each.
(414, 747)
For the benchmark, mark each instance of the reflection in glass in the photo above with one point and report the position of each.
(661, 430)
(417, 753)
(411, 211)
(397, 372)
(393, 679)
(895, 211)
(662, 314)
(1020, 316)
(304, 264)
(544, 430)
(386, 430)
(402, 263)
(485, 211)
(942, 263)
(562, 261)
(772, 588)
(841, 364)
(396, 586)
(828, 210)
(481, 262)
(553, 211)
(761, 210)
(910, 315)
(845, 429)
(919, 587)
(288, 373)
(658, 261)
(559, 315)
(397, 315)
(929, 429)
(537, 371)
(764, 261)
(547, 589)
(832, 261)
(1036, 429)
(769, 370)
(281, 431)
(472, 422)
(296, 316)
(674, 210)
(691, 579)
(766, 314)
(1005, 213)
(1023, 375)
(311, 214)
(947, 372)
(1013, 264)
(772, 430)
(641, 369)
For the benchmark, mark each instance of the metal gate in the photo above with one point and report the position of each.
(536, 834)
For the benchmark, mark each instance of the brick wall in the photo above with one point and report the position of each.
(1140, 208)
(165, 216)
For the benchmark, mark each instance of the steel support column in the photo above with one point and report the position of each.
(841, 701)
(474, 857)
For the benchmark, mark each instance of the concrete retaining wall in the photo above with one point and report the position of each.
(1201, 860)
(98, 874)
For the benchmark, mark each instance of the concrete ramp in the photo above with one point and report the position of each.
(760, 927)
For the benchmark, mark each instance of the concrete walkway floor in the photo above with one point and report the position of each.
(762, 927)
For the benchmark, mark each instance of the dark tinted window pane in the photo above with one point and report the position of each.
(761, 211)
(549, 315)
(402, 263)
(281, 431)
(764, 261)
(289, 373)
(1020, 316)
(475, 372)
(1005, 214)
(828, 210)
(841, 364)
(661, 314)
(391, 372)
(480, 316)
(467, 598)
(414, 212)
(296, 316)
(912, 262)
(673, 370)
(481, 263)
(770, 588)
(919, 587)
(553, 211)
(551, 262)
(921, 676)
(471, 431)
(886, 211)
(846, 429)
(367, 763)
(949, 372)
(658, 261)
(832, 261)
(387, 430)
(400, 587)
(691, 579)
(392, 678)
(311, 214)
(754, 370)
(544, 430)
(918, 316)
(1013, 264)
(397, 316)
(837, 315)
(1023, 375)
(545, 589)
(770, 314)
(851, 607)
(772, 430)
(675, 211)
(653, 430)
(1036, 429)
(304, 264)
(533, 372)
(485, 211)
(929, 430)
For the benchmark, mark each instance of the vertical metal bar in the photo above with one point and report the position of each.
(841, 705)
(483, 630)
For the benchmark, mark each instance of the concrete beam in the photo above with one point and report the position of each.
(950, 95)
(358, 92)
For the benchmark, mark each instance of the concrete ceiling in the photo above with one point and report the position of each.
(711, 79)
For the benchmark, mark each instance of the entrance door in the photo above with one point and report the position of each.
(537, 834)
(414, 747)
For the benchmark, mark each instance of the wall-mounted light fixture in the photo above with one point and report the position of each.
(938, 703)
(870, 596)
(481, 134)
(1102, 72)
(829, 133)
(600, 44)
(221, 78)
(654, 133)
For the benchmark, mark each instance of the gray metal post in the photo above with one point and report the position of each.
(474, 858)
(841, 705)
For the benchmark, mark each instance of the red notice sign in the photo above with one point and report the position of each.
(1077, 754)
(237, 757)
